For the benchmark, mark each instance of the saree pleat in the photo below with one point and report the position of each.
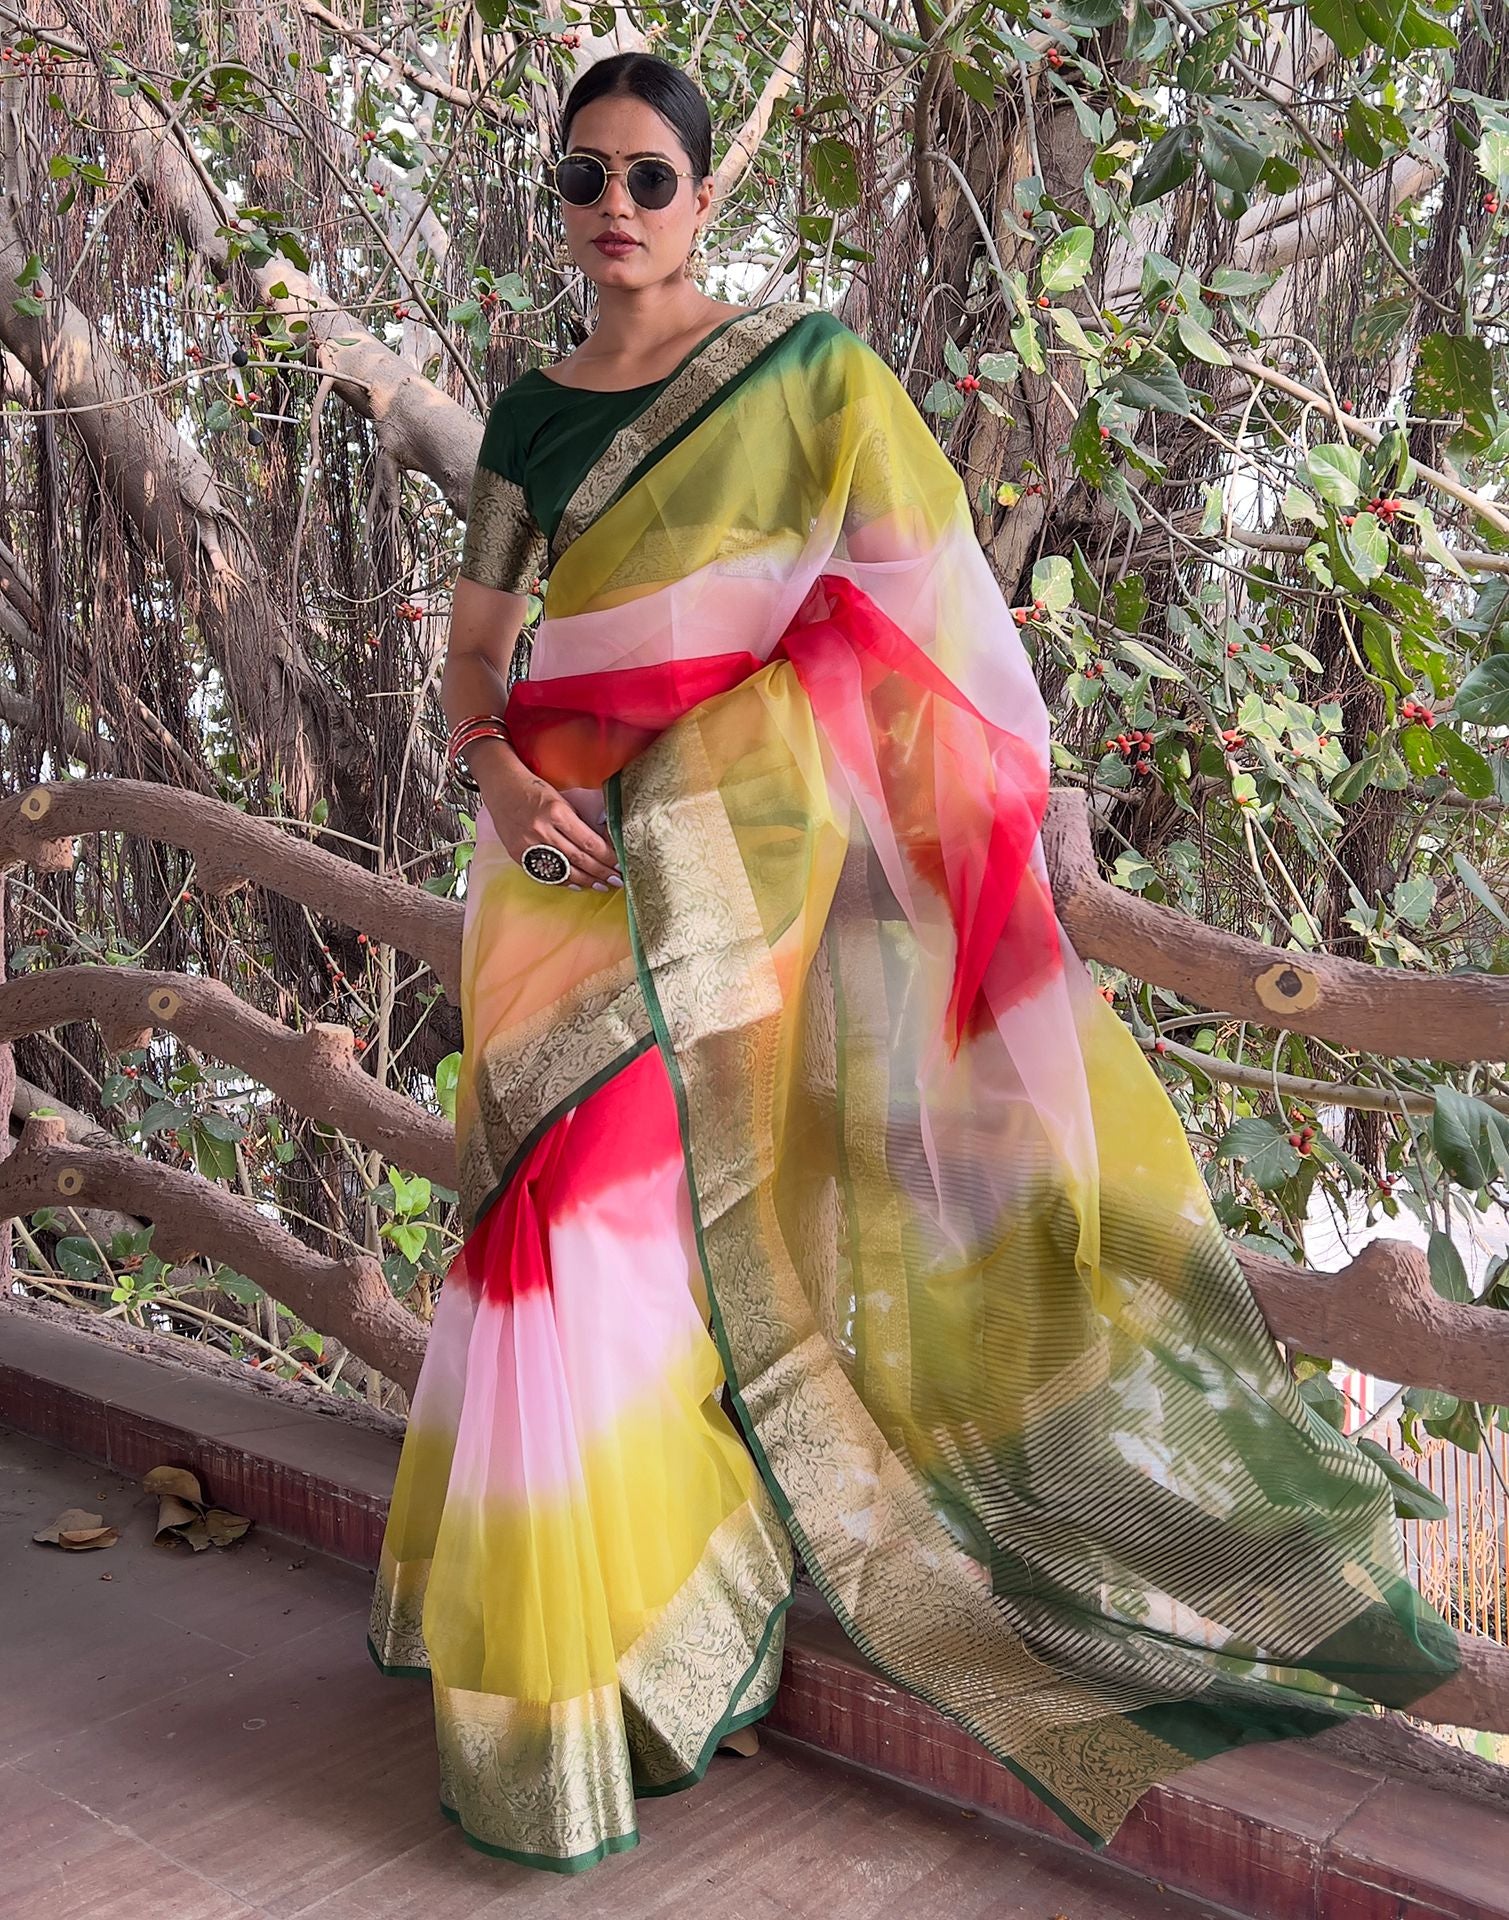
(823, 1106)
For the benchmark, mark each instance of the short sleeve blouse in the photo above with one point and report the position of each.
(541, 438)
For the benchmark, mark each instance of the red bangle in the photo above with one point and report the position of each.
(477, 726)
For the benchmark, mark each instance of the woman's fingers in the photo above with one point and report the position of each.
(586, 850)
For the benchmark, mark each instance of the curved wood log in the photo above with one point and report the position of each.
(1478, 1695)
(231, 847)
(347, 1298)
(315, 1071)
(1375, 1009)
(1382, 1314)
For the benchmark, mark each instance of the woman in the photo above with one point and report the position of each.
(778, 1069)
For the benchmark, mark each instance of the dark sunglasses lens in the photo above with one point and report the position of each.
(652, 183)
(580, 179)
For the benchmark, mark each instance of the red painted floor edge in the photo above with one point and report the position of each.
(1278, 1832)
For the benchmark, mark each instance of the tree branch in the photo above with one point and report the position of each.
(349, 1298)
(1375, 1009)
(231, 847)
(314, 1071)
(1382, 1315)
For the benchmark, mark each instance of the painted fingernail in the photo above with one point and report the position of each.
(599, 886)
(615, 880)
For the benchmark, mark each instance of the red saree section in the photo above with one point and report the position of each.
(948, 798)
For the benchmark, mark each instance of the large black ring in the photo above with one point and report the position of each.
(546, 864)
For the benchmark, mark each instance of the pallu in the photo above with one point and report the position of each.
(822, 1109)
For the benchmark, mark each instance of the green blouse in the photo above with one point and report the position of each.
(541, 438)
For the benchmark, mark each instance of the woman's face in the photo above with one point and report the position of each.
(619, 129)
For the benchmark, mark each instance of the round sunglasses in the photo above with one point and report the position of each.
(581, 179)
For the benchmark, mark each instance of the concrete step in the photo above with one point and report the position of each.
(1377, 1822)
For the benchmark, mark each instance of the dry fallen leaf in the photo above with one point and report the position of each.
(183, 1515)
(75, 1530)
(174, 1480)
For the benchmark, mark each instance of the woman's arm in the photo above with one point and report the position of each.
(485, 623)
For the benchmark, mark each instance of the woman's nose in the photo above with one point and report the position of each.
(617, 198)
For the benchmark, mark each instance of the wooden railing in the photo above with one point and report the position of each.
(1381, 1313)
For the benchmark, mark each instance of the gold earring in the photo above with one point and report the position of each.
(696, 260)
(562, 258)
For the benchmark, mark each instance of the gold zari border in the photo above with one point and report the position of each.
(533, 1068)
(503, 546)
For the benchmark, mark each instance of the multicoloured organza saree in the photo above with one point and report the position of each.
(823, 1104)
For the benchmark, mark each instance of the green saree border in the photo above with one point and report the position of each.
(548, 1119)
(733, 1718)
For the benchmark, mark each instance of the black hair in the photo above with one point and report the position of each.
(660, 85)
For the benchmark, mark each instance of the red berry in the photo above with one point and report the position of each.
(1043, 300)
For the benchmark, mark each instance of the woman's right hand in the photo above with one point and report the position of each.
(528, 811)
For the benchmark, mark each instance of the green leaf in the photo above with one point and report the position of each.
(1483, 697)
(1465, 764)
(1269, 1158)
(1024, 338)
(237, 1285)
(1338, 20)
(1066, 261)
(1412, 1499)
(1129, 597)
(1053, 582)
(1149, 662)
(1091, 13)
(78, 1259)
(447, 1079)
(1448, 1275)
(1321, 1392)
(1151, 384)
(1377, 327)
(214, 1158)
(1415, 899)
(1090, 453)
(975, 82)
(1453, 376)
(1204, 346)
(835, 171)
(1434, 545)
(1471, 1140)
(408, 1238)
(1086, 588)
(1169, 163)
(1335, 473)
(1468, 874)
(1352, 780)
(1421, 755)
(1228, 157)
(1493, 158)
(1367, 547)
